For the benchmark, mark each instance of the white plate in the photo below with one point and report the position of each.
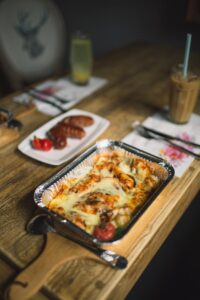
(56, 156)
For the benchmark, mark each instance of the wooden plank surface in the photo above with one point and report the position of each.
(138, 86)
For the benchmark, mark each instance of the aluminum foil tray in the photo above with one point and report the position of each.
(82, 165)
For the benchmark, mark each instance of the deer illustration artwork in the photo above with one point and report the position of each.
(29, 33)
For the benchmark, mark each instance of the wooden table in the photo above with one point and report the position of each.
(138, 86)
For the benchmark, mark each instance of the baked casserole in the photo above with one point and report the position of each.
(106, 195)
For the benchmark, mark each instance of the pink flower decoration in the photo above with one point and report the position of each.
(173, 153)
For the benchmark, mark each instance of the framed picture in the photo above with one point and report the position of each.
(32, 38)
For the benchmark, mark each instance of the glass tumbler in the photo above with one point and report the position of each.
(81, 58)
(183, 95)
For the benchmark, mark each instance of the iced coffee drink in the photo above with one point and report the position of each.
(183, 96)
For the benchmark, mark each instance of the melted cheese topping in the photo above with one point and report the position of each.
(111, 191)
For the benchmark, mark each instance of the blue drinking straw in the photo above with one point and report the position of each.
(187, 54)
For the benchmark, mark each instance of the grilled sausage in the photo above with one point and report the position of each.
(79, 120)
(57, 131)
(60, 142)
(58, 137)
(62, 130)
(73, 131)
(69, 127)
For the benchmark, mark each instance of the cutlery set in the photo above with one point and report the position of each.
(41, 96)
(157, 135)
(53, 96)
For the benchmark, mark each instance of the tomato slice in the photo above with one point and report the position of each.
(104, 232)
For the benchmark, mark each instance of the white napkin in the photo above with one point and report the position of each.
(179, 160)
(65, 89)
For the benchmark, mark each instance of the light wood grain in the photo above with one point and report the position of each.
(57, 251)
(7, 135)
(138, 86)
(7, 274)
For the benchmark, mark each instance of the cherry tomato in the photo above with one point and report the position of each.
(104, 232)
(36, 143)
(42, 144)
